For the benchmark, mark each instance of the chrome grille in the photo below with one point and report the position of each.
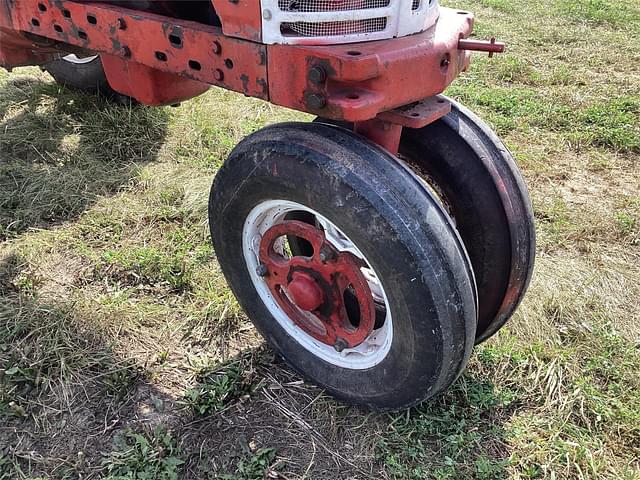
(332, 29)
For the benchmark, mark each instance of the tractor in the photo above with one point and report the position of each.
(372, 247)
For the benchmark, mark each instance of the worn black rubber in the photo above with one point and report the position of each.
(479, 182)
(408, 239)
(486, 195)
(88, 77)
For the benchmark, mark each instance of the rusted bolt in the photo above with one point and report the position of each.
(326, 254)
(445, 62)
(262, 270)
(340, 344)
(122, 25)
(317, 75)
(263, 84)
(316, 100)
(218, 74)
(217, 48)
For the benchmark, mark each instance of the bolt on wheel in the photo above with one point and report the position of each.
(346, 263)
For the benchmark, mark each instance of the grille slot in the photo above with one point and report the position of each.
(309, 6)
(332, 29)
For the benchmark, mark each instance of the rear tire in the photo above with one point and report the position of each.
(85, 74)
(389, 217)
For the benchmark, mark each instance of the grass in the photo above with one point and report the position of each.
(124, 355)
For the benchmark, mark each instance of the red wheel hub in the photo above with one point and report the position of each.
(311, 290)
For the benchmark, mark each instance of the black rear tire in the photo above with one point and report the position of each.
(406, 236)
(88, 76)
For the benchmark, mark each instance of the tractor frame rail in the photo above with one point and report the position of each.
(162, 60)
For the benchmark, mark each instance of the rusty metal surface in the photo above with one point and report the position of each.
(490, 46)
(189, 49)
(418, 114)
(311, 290)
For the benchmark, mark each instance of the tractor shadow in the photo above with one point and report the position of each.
(65, 394)
(61, 150)
(254, 403)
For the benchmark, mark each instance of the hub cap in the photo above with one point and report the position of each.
(329, 299)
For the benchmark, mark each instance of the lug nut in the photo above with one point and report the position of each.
(326, 254)
(317, 75)
(340, 344)
(316, 101)
(262, 270)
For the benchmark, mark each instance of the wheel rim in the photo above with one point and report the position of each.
(307, 296)
(73, 58)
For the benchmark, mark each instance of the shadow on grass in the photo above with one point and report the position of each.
(65, 395)
(254, 412)
(60, 150)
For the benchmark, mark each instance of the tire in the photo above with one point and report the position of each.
(81, 73)
(477, 177)
(403, 234)
(482, 188)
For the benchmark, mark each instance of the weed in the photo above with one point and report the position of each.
(257, 466)
(139, 456)
(221, 388)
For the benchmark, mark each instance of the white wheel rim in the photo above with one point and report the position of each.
(366, 355)
(73, 58)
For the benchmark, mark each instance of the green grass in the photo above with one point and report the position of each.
(123, 353)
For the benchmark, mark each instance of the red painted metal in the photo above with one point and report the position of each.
(386, 134)
(357, 81)
(240, 18)
(311, 290)
(188, 49)
(16, 50)
(148, 85)
(418, 114)
(364, 79)
(490, 46)
(305, 291)
(156, 59)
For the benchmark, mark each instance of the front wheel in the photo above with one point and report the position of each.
(380, 308)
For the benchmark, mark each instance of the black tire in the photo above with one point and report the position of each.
(87, 77)
(486, 195)
(394, 220)
(480, 183)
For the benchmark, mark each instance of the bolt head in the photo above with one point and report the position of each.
(326, 254)
(317, 75)
(262, 270)
(316, 101)
(266, 14)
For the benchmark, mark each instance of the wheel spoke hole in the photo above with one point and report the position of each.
(351, 306)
